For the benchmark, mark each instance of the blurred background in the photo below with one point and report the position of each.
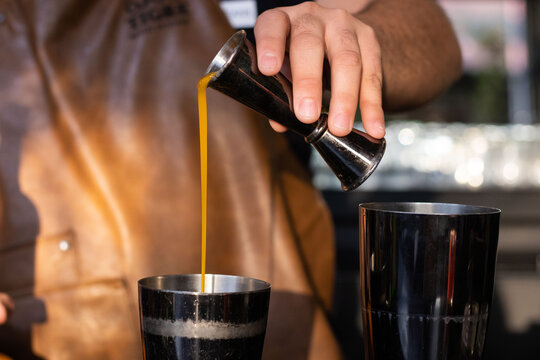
(477, 144)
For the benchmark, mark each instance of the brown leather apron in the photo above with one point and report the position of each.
(100, 184)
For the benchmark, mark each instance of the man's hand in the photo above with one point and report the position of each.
(6, 307)
(353, 51)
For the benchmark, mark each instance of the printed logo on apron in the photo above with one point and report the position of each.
(144, 16)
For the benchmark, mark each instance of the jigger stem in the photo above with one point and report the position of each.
(353, 158)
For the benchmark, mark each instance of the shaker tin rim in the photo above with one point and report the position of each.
(429, 208)
(263, 286)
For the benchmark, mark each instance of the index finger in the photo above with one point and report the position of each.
(271, 31)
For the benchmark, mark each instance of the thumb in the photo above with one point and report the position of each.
(6, 306)
(3, 314)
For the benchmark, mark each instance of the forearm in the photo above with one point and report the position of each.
(420, 53)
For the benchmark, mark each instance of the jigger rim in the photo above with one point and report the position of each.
(429, 208)
(374, 163)
(247, 285)
(226, 54)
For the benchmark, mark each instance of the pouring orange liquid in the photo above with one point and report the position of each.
(203, 131)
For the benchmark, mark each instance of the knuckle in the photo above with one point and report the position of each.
(307, 83)
(272, 16)
(306, 40)
(375, 80)
(309, 7)
(347, 58)
(366, 103)
(340, 15)
(368, 32)
(348, 101)
(348, 38)
(304, 32)
(305, 23)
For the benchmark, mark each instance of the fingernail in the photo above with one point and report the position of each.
(307, 109)
(379, 127)
(268, 62)
(342, 122)
(382, 129)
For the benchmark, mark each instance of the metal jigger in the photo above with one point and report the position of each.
(352, 158)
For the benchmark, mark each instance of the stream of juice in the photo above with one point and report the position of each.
(203, 130)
